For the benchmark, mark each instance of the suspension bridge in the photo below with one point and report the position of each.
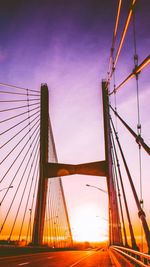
(33, 208)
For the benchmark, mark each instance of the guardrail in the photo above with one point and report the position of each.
(135, 257)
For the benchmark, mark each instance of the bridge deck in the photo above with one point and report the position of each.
(89, 258)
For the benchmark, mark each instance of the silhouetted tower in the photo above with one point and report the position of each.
(38, 226)
(99, 168)
(115, 235)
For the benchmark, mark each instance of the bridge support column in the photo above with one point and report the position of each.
(38, 226)
(115, 235)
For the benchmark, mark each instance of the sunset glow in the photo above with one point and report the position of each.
(89, 226)
(66, 45)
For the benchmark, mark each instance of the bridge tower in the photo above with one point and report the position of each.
(40, 209)
(100, 168)
(115, 236)
(38, 226)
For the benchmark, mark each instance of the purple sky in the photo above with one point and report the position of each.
(66, 44)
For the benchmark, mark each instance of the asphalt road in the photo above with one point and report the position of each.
(90, 258)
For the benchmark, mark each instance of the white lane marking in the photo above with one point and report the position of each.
(50, 257)
(24, 263)
(81, 259)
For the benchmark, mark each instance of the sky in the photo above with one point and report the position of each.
(66, 44)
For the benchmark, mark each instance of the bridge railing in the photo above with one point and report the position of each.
(136, 257)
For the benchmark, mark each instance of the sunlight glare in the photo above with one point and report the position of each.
(89, 226)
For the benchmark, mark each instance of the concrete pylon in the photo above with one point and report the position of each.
(38, 225)
(115, 235)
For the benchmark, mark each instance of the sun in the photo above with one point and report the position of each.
(88, 226)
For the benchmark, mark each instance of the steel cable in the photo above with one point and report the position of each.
(29, 193)
(14, 195)
(33, 199)
(18, 100)
(26, 183)
(20, 131)
(10, 109)
(18, 143)
(17, 87)
(19, 154)
(16, 116)
(15, 93)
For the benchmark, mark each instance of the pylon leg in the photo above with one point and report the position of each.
(38, 226)
(115, 234)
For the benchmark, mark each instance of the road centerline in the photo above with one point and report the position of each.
(74, 264)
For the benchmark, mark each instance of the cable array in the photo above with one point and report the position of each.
(113, 59)
(20, 133)
(141, 212)
(57, 231)
(116, 149)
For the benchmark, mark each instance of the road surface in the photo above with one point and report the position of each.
(90, 258)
